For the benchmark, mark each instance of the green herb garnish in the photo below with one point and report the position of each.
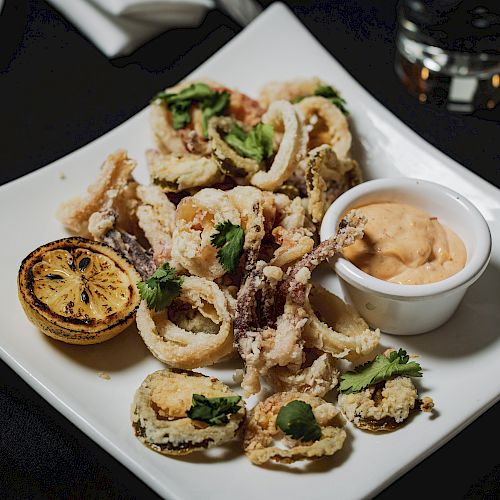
(256, 144)
(329, 93)
(162, 288)
(381, 368)
(333, 96)
(213, 411)
(296, 419)
(229, 239)
(212, 103)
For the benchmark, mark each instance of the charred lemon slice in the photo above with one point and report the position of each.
(78, 291)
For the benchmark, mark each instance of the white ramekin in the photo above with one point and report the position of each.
(411, 309)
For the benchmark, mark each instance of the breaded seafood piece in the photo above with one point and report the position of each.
(336, 327)
(196, 219)
(174, 172)
(191, 139)
(384, 406)
(228, 161)
(327, 178)
(285, 119)
(156, 217)
(288, 91)
(159, 413)
(326, 124)
(280, 341)
(113, 188)
(249, 201)
(316, 378)
(293, 245)
(261, 431)
(196, 330)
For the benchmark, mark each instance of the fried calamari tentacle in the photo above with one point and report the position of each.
(283, 117)
(224, 156)
(156, 216)
(113, 188)
(327, 177)
(159, 413)
(174, 173)
(265, 347)
(297, 277)
(384, 406)
(317, 377)
(196, 219)
(103, 227)
(326, 124)
(128, 246)
(336, 327)
(204, 330)
(261, 431)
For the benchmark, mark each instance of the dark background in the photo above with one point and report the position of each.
(58, 92)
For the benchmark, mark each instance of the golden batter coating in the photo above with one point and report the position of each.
(159, 417)
(194, 341)
(261, 431)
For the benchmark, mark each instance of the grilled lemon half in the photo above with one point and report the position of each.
(78, 291)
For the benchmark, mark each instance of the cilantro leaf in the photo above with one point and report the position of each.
(162, 288)
(329, 93)
(296, 419)
(332, 95)
(229, 239)
(213, 411)
(256, 144)
(212, 103)
(381, 368)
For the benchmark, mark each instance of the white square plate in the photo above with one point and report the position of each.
(466, 349)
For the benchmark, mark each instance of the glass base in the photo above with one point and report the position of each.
(462, 82)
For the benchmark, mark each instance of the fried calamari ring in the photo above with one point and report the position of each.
(327, 178)
(326, 124)
(316, 378)
(283, 117)
(113, 188)
(261, 431)
(288, 91)
(156, 216)
(212, 338)
(174, 173)
(384, 406)
(224, 156)
(197, 217)
(159, 413)
(249, 201)
(336, 327)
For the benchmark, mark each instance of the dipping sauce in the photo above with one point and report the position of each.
(406, 245)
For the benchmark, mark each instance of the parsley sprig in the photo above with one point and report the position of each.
(256, 144)
(381, 368)
(213, 411)
(229, 239)
(212, 103)
(296, 419)
(162, 288)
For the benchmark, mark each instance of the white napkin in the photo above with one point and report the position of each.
(117, 27)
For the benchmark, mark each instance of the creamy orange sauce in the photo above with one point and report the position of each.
(406, 245)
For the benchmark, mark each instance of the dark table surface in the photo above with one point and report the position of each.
(58, 92)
